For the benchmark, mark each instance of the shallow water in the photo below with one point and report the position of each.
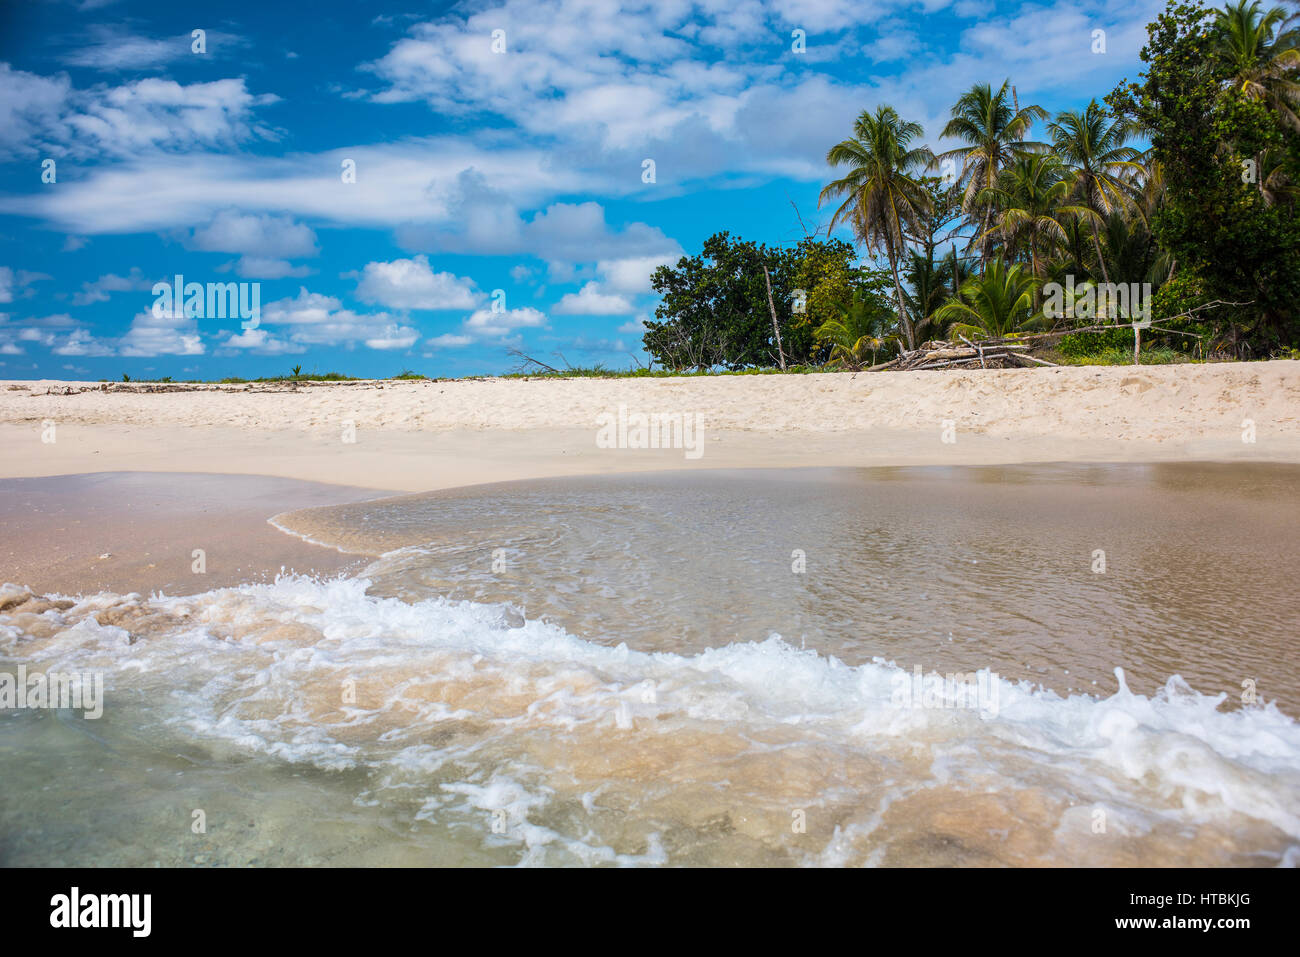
(640, 670)
(952, 569)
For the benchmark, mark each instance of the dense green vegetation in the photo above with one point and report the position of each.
(1204, 219)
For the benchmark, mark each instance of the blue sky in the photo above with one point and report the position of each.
(476, 171)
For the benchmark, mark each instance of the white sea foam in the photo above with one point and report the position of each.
(562, 739)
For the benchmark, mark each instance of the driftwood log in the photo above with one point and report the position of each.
(998, 353)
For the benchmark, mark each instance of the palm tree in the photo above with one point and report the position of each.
(1262, 50)
(882, 197)
(1090, 142)
(996, 304)
(862, 326)
(1275, 180)
(1132, 252)
(994, 131)
(1030, 198)
(928, 284)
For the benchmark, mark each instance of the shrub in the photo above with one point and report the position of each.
(1078, 345)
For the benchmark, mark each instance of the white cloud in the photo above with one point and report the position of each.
(262, 342)
(319, 320)
(483, 219)
(450, 341)
(60, 332)
(498, 324)
(36, 335)
(165, 335)
(892, 45)
(15, 283)
(59, 321)
(635, 327)
(393, 336)
(256, 235)
(30, 104)
(113, 48)
(47, 117)
(412, 284)
(98, 291)
(81, 343)
(407, 182)
(306, 307)
(632, 275)
(259, 267)
(590, 301)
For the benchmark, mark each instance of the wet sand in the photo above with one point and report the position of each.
(138, 532)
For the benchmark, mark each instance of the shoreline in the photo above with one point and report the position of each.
(133, 532)
(425, 435)
(250, 455)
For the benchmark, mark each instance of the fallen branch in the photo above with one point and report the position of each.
(1041, 362)
(528, 358)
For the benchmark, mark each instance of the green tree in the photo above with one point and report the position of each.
(931, 268)
(930, 283)
(995, 304)
(994, 132)
(1206, 131)
(881, 194)
(1260, 48)
(864, 324)
(826, 274)
(1092, 145)
(714, 307)
(1030, 201)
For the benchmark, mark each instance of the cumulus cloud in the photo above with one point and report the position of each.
(261, 341)
(482, 219)
(633, 274)
(635, 327)
(260, 267)
(451, 341)
(253, 234)
(489, 324)
(46, 116)
(590, 301)
(500, 323)
(319, 320)
(412, 284)
(81, 343)
(169, 334)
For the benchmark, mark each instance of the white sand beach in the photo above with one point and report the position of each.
(425, 435)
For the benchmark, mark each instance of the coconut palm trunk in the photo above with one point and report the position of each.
(1096, 243)
(903, 320)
